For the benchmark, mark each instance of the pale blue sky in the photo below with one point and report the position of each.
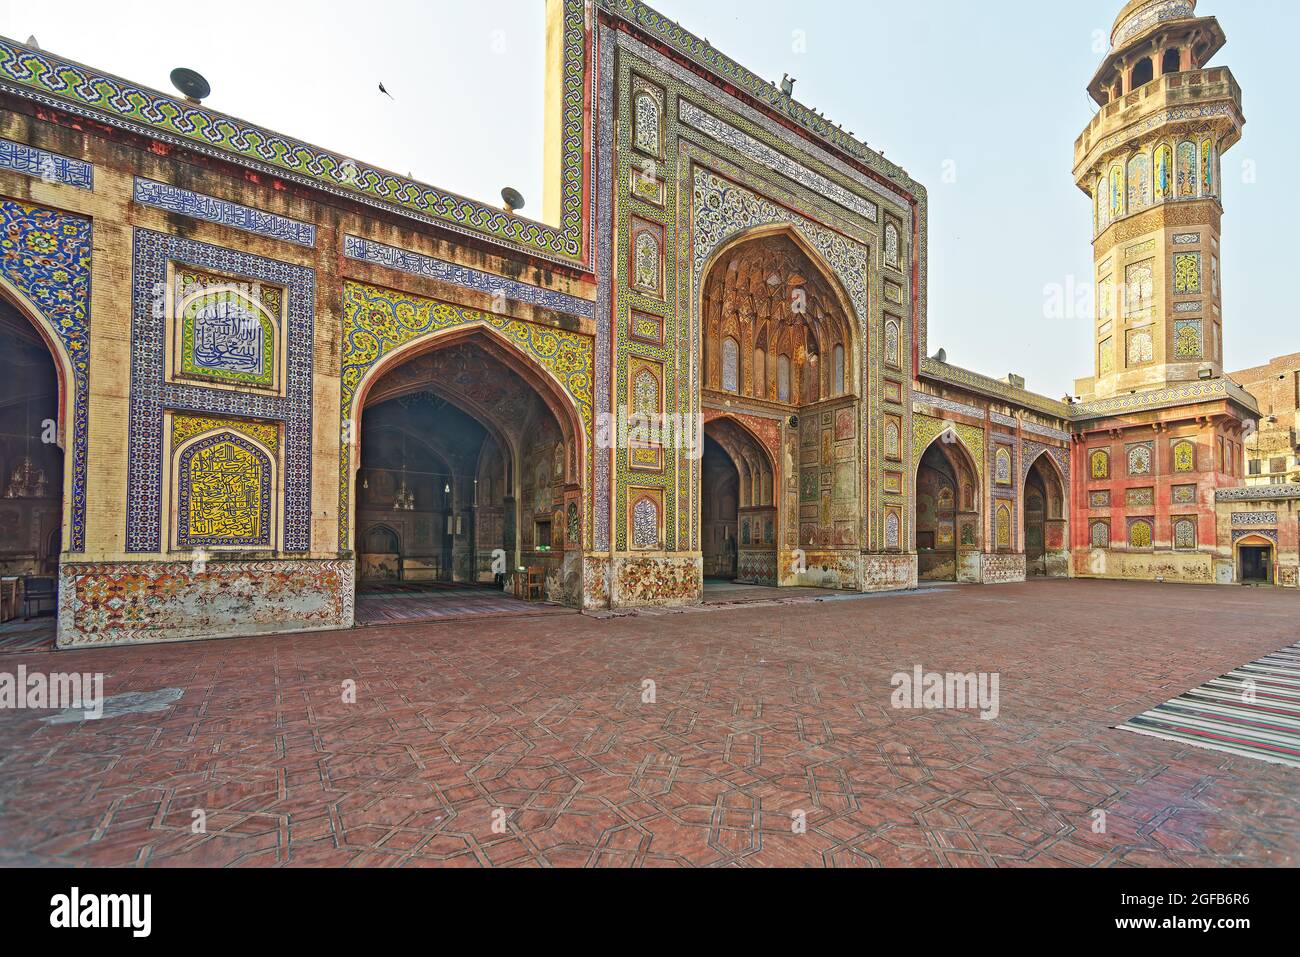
(996, 87)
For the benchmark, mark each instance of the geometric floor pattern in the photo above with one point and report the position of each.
(1254, 711)
(737, 737)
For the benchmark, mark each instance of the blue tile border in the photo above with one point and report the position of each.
(416, 264)
(152, 395)
(33, 161)
(46, 256)
(209, 209)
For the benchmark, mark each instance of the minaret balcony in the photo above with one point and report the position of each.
(1138, 114)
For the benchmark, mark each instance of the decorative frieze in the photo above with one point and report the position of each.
(415, 264)
(922, 402)
(42, 164)
(209, 209)
(710, 125)
(1263, 493)
(1254, 519)
(1046, 431)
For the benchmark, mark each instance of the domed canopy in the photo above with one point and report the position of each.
(1138, 16)
(1144, 22)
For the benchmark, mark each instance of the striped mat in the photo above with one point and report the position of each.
(1253, 712)
(20, 636)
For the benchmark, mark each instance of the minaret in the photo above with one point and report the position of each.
(1150, 160)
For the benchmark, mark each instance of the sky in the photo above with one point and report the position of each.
(992, 92)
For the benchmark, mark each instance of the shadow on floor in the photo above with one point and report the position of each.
(401, 603)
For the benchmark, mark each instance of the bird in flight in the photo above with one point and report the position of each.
(385, 92)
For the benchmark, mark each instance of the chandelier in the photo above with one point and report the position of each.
(405, 498)
(27, 481)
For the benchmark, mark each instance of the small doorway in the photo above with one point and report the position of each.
(1256, 565)
(719, 513)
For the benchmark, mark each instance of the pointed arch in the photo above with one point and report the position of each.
(62, 364)
(391, 538)
(749, 447)
(950, 442)
(539, 378)
(1046, 528)
(948, 526)
(51, 290)
(852, 336)
(755, 515)
(1256, 540)
(1052, 464)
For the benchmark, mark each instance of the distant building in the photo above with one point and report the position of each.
(1272, 453)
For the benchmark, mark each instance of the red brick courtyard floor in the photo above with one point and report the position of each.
(760, 713)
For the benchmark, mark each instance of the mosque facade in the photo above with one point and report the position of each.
(250, 377)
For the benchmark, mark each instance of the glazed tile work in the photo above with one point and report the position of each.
(313, 387)
(381, 254)
(51, 167)
(277, 299)
(184, 202)
(81, 91)
(378, 322)
(45, 257)
(115, 603)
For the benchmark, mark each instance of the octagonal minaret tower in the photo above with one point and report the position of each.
(1150, 161)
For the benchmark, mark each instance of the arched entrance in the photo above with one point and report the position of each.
(738, 506)
(1046, 531)
(719, 514)
(779, 386)
(31, 462)
(948, 527)
(1255, 560)
(467, 487)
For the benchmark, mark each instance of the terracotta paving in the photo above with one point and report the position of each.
(19, 635)
(539, 726)
(446, 604)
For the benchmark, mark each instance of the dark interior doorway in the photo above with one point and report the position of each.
(720, 514)
(1256, 565)
(31, 462)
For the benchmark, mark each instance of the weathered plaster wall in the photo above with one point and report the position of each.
(115, 603)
